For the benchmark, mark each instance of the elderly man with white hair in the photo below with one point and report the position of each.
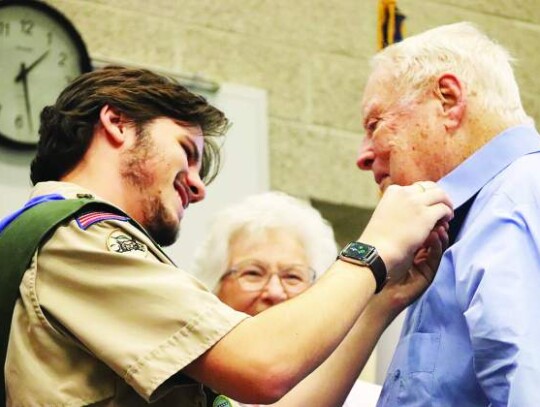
(270, 248)
(444, 106)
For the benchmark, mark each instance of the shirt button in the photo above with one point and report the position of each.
(397, 374)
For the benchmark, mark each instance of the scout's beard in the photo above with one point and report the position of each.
(159, 223)
(162, 225)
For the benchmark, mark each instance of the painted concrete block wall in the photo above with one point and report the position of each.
(310, 55)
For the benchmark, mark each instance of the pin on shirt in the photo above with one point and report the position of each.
(222, 401)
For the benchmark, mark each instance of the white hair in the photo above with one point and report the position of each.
(256, 214)
(482, 65)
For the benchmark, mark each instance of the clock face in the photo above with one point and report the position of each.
(40, 53)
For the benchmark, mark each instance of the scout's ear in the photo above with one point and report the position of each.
(114, 124)
(451, 95)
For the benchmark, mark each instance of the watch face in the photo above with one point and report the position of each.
(359, 251)
(40, 53)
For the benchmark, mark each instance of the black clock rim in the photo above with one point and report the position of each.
(85, 64)
(84, 58)
(16, 145)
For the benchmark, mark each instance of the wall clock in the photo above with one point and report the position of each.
(40, 53)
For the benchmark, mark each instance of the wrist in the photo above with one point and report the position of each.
(367, 256)
(364, 277)
(386, 250)
(379, 310)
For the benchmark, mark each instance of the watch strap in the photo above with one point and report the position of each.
(378, 268)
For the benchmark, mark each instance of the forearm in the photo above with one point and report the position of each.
(330, 384)
(280, 346)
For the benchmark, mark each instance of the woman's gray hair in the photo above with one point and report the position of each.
(256, 214)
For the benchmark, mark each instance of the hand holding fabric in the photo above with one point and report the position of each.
(400, 293)
(402, 222)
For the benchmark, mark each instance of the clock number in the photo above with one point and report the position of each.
(27, 26)
(19, 121)
(49, 38)
(4, 29)
(62, 60)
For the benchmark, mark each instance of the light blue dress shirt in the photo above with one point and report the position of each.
(473, 338)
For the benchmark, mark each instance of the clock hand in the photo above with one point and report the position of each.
(24, 71)
(26, 96)
(23, 76)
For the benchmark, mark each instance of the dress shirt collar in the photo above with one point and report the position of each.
(477, 170)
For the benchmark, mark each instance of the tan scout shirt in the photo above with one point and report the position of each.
(97, 325)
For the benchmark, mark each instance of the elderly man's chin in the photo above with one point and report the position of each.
(384, 183)
(387, 181)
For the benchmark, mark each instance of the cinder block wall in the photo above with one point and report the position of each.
(310, 55)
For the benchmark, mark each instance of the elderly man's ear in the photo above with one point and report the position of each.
(451, 95)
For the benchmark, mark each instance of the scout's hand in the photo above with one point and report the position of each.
(402, 222)
(399, 294)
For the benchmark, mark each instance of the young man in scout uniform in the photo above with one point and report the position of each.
(445, 105)
(103, 317)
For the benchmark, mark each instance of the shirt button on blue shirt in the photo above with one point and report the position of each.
(397, 374)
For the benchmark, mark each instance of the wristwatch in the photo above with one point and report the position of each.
(365, 255)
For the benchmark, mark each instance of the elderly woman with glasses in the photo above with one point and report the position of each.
(265, 250)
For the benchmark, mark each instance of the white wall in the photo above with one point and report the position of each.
(14, 178)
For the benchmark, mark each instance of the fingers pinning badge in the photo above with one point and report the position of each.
(121, 242)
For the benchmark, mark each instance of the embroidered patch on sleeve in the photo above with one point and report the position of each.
(88, 219)
(120, 242)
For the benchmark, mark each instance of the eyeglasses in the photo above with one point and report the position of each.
(254, 275)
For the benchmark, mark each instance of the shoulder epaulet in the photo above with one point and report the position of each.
(88, 219)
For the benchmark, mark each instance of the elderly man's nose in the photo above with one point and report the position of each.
(366, 156)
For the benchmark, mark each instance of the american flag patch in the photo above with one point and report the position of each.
(88, 219)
